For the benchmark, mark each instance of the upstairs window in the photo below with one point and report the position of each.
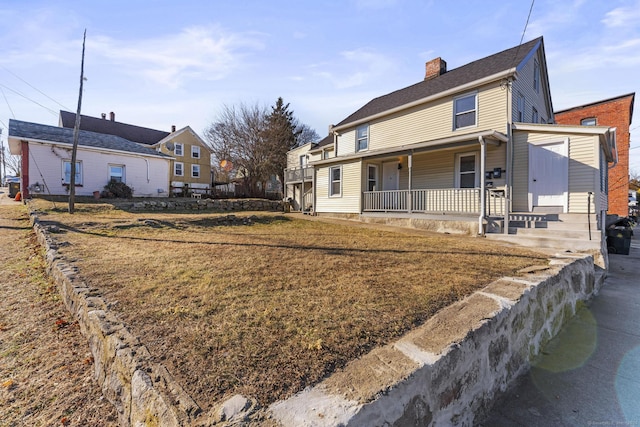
(178, 150)
(195, 152)
(66, 170)
(591, 121)
(303, 161)
(534, 115)
(465, 109)
(520, 115)
(536, 76)
(362, 138)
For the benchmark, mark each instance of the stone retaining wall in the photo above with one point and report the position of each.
(450, 370)
(446, 372)
(202, 204)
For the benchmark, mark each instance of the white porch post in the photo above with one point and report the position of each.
(483, 155)
(410, 166)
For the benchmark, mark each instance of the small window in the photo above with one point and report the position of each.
(536, 76)
(591, 121)
(362, 138)
(520, 117)
(372, 178)
(335, 181)
(195, 171)
(116, 173)
(466, 171)
(178, 169)
(178, 150)
(534, 115)
(66, 176)
(465, 111)
(325, 154)
(195, 151)
(303, 161)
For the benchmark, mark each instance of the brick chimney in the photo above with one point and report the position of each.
(434, 68)
(112, 116)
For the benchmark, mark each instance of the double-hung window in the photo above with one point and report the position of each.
(195, 171)
(195, 151)
(116, 173)
(536, 76)
(335, 181)
(178, 149)
(178, 169)
(534, 115)
(66, 172)
(465, 109)
(362, 138)
(520, 117)
(372, 178)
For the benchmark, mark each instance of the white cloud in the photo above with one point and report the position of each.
(623, 17)
(204, 53)
(356, 68)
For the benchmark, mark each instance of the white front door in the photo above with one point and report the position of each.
(390, 176)
(548, 175)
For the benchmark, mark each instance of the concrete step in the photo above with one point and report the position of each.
(554, 225)
(556, 233)
(564, 244)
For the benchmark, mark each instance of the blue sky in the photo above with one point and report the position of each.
(159, 63)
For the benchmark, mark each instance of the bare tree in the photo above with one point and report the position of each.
(305, 134)
(237, 136)
(13, 164)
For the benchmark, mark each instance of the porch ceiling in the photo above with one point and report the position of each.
(450, 142)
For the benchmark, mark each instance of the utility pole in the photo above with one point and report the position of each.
(76, 133)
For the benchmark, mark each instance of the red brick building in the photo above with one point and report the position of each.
(614, 112)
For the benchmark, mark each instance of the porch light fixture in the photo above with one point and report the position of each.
(399, 166)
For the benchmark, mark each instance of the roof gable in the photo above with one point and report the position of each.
(111, 127)
(186, 129)
(55, 134)
(506, 61)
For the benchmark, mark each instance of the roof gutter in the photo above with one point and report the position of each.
(498, 76)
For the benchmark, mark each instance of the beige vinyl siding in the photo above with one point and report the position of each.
(524, 85)
(293, 156)
(583, 168)
(349, 200)
(497, 158)
(435, 120)
(346, 143)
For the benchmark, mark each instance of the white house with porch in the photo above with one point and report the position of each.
(473, 150)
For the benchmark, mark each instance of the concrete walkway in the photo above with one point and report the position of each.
(589, 375)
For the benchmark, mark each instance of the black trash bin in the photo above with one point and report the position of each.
(619, 240)
(14, 188)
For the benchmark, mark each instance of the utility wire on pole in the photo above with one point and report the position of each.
(76, 133)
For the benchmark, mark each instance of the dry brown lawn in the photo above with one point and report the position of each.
(269, 308)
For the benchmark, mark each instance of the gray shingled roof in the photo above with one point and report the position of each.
(27, 130)
(468, 73)
(131, 132)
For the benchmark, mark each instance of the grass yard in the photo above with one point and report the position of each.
(270, 308)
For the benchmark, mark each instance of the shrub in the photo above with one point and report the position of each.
(118, 189)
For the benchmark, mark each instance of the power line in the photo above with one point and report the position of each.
(7, 101)
(31, 86)
(523, 32)
(55, 113)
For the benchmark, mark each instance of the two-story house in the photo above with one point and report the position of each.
(464, 150)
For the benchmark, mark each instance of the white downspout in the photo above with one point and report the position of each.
(482, 186)
(410, 167)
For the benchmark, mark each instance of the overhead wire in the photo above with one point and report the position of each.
(55, 113)
(31, 86)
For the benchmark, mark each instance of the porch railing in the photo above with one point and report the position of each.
(297, 174)
(448, 200)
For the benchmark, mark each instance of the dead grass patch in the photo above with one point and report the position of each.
(268, 309)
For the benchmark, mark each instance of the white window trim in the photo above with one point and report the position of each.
(475, 109)
(195, 148)
(193, 168)
(375, 167)
(118, 165)
(477, 168)
(358, 149)
(339, 194)
(175, 165)
(175, 149)
(79, 172)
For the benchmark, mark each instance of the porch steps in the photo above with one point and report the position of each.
(550, 230)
